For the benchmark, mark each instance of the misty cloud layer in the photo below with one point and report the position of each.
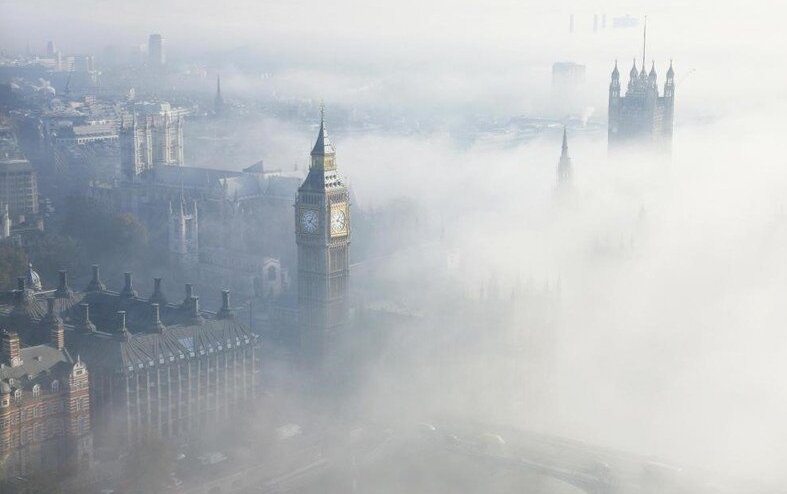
(673, 277)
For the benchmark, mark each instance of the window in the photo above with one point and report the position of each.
(55, 386)
(37, 390)
(18, 395)
(272, 273)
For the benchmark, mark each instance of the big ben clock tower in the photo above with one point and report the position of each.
(322, 233)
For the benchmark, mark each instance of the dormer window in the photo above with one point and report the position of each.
(37, 390)
(18, 395)
(55, 386)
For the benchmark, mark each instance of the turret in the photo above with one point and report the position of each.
(614, 85)
(669, 84)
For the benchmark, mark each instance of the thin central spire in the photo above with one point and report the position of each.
(644, 41)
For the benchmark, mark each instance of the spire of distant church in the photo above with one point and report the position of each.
(218, 101)
(564, 165)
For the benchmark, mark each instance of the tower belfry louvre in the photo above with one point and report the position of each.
(322, 230)
(642, 116)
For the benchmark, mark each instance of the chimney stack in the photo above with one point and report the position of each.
(85, 325)
(192, 306)
(157, 326)
(189, 292)
(95, 284)
(224, 312)
(62, 288)
(56, 333)
(10, 347)
(158, 296)
(122, 330)
(128, 287)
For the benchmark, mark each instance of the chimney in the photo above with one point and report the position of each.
(85, 325)
(195, 317)
(62, 288)
(56, 335)
(157, 326)
(189, 293)
(158, 296)
(95, 284)
(10, 347)
(128, 287)
(122, 330)
(224, 312)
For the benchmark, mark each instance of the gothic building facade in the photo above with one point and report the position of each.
(641, 117)
(322, 218)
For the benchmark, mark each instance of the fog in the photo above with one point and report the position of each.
(671, 275)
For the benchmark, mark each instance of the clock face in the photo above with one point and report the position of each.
(338, 220)
(309, 221)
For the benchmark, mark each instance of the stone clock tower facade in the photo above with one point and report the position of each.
(322, 231)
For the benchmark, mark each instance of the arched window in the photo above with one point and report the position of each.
(55, 386)
(37, 390)
(18, 395)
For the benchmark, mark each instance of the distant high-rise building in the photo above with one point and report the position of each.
(156, 56)
(568, 79)
(322, 225)
(50, 49)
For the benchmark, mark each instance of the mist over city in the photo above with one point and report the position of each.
(392, 247)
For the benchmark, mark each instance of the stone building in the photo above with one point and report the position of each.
(322, 219)
(44, 405)
(156, 367)
(170, 369)
(641, 117)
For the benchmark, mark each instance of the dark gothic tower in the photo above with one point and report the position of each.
(322, 226)
(564, 166)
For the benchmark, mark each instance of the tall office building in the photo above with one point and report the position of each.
(156, 56)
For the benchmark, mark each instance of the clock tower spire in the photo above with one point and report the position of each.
(322, 234)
